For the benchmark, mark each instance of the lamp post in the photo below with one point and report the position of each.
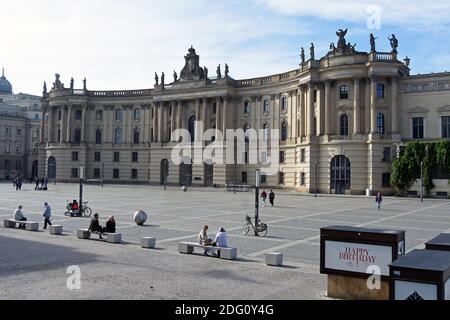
(258, 179)
(81, 184)
(421, 182)
(103, 173)
(315, 179)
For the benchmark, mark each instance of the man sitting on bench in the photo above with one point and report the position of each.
(221, 240)
(18, 216)
(96, 227)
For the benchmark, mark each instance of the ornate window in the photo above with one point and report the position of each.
(380, 91)
(343, 92)
(417, 130)
(266, 132)
(137, 115)
(266, 106)
(77, 138)
(119, 115)
(344, 125)
(118, 136)
(380, 124)
(445, 127)
(247, 108)
(284, 104)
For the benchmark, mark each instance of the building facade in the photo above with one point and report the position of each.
(342, 119)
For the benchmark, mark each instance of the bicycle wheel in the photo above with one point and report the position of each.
(264, 231)
(87, 212)
(246, 229)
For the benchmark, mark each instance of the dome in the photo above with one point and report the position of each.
(5, 85)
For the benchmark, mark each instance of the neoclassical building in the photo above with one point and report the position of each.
(342, 119)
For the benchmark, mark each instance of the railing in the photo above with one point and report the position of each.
(121, 93)
(268, 80)
(384, 56)
(339, 138)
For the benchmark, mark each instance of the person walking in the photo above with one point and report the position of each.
(47, 213)
(378, 200)
(18, 216)
(272, 198)
(264, 198)
(36, 180)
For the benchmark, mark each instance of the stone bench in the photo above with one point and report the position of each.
(29, 225)
(148, 243)
(225, 253)
(110, 237)
(274, 259)
(56, 230)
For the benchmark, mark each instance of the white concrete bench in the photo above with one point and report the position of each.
(274, 259)
(225, 253)
(148, 243)
(110, 237)
(29, 225)
(56, 230)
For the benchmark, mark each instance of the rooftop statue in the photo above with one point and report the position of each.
(342, 47)
(312, 51)
(71, 83)
(302, 55)
(175, 76)
(219, 72)
(156, 79)
(44, 90)
(192, 69)
(342, 42)
(162, 79)
(227, 70)
(394, 43)
(372, 43)
(58, 84)
(205, 71)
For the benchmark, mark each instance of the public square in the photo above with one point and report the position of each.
(33, 265)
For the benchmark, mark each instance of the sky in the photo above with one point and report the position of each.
(121, 44)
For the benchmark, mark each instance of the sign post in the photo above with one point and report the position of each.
(258, 179)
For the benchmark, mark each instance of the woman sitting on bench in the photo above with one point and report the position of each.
(203, 239)
(96, 227)
(111, 225)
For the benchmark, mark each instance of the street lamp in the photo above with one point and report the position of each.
(81, 184)
(315, 179)
(421, 182)
(103, 172)
(258, 179)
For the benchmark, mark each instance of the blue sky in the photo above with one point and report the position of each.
(120, 45)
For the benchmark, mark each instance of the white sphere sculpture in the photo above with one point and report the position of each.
(140, 217)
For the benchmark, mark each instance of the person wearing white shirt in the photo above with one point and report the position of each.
(18, 216)
(221, 240)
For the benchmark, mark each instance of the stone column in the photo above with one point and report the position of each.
(356, 106)
(51, 125)
(225, 117)
(205, 114)
(310, 110)
(83, 123)
(42, 133)
(328, 115)
(218, 109)
(62, 124)
(180, 115)
(154, 116)
(105, 124)
(291, 114)
(394, 106)
(197, 118)
(69, 123)
(302, 113)
(373, 106)
(160, 124)
(172, 121)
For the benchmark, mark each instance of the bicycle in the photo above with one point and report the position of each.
(83, 211)
(260, 229)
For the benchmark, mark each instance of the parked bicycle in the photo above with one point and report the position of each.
(84, 210)
(260, 228)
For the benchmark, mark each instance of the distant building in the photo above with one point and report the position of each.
(20, 117)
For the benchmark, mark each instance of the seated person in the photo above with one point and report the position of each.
(96, 227)
(74, 206)
(203, 239)
(221, 240)
(18, 216)
(111, 225)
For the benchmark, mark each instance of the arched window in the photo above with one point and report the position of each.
(283, 131)
(344, 125)
(98, 136)
(118, 136)
(380, 123)
(77, 136)
(247, 108)
(136, 134)
(266, 132)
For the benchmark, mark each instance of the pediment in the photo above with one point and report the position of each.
(444, 109)
(418, 110)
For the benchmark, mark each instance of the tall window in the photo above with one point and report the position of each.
(134, 174)
(74, 173)
(78, 115)
(284, 131)
(247, 108)
(118, 136)
(97, 157)
(380, 91)
(119, 115)
(284, 104)
(98, 136)
(281, 178)
(417, 131)
(136, 136)
(77, 138)
(445, 127)
(282, 156)
(266, 106)
(344, 125)
(244, 177)
(74, 156)
(116, 174)
(96, 173)
(380, 123)
(247, 132)
(116, 156)
(137, 115)
(303, 155)
(303, 179)
(134, 157)
(343, 92)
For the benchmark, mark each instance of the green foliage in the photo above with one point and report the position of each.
(434, 155)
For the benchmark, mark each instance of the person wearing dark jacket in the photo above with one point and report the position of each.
(272, 197)
(111, 225)
(95, 226)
